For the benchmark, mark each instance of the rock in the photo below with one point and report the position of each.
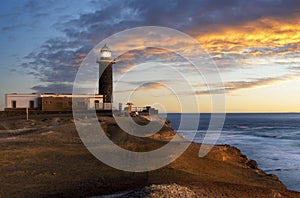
(261, 172)
(163, 190)
(252, 164)
(274, 177)
(243, 156)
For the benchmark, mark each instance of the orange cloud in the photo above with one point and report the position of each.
(239, 85)
(145, 87)
(151, 86)
(130, 59)
(128, 56)
(265, 36)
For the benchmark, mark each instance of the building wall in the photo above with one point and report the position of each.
(95, 103)
(65, 102)
(21, 100)
(56, 102)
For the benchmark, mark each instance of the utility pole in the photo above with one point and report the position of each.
(27, 112)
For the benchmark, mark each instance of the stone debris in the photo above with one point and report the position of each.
(161, 191)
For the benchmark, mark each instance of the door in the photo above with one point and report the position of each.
(14, 104)
(96, 104)
(31, 104)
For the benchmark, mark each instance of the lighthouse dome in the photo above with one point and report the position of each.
(105, 52)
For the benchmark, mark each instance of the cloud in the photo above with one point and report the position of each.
(13, 27)
(54, 88)
(130, 59)
(296, 68)
(233, 29)
(127, 86)
(56, 61)
(147, 86)
(152, 86)
(265, 36)
(240, 85)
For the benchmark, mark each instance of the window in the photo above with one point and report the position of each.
(14, 104)
(31, 104)
(96, 104)
(81, 104)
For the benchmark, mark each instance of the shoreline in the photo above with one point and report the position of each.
(52, 161)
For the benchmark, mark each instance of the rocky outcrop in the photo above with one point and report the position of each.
(160, 191)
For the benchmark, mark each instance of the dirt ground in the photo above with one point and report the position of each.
(44, 157)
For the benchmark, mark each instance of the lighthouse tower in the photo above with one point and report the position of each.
(105, 74)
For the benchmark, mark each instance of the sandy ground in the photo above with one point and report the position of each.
(44, 157)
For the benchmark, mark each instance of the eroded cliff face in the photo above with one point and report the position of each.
(224, 163)
(44, 156)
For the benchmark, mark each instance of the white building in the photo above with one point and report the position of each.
(55, 102)
(21, 100)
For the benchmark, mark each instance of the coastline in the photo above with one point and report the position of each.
(45, 157)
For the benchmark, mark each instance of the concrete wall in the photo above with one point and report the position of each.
(56, 102)
(22, 112)
(22, 100)
(95, 103)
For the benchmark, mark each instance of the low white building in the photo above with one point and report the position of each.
(21, 100)
(55, 102)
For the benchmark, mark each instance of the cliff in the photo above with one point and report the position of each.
(44, 157)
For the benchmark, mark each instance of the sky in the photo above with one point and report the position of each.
(255, 45)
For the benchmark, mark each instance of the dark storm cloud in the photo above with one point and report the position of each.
(58, 58)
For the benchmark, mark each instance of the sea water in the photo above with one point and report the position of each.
(272, 139)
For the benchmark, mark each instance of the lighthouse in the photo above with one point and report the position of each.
(105, 74)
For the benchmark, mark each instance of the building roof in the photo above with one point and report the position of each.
(55, 95)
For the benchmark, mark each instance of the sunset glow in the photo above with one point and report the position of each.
(256, 47)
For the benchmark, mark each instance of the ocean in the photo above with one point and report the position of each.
(271, 139)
